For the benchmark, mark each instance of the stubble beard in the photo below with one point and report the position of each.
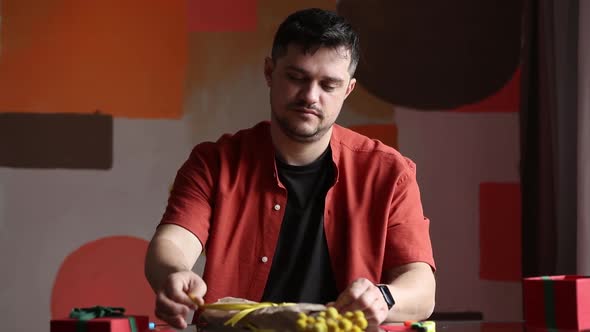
(301, 135)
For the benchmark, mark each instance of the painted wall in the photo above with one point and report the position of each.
(583, 263)
(74, 224)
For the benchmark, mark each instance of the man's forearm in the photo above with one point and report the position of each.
(163, 258)
(414, 293)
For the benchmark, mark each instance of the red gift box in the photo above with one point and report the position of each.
(560, 302)
(103, 324)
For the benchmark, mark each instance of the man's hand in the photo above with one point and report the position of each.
(365, 296)
(173, 300)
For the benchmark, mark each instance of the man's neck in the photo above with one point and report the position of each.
(298, 153)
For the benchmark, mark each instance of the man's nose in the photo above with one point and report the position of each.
(310, 93)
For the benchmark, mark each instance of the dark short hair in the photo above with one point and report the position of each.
(314, 27)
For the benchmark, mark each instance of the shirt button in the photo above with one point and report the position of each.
(264, 259)
(277, 207)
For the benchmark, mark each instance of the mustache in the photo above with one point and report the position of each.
(297, 105)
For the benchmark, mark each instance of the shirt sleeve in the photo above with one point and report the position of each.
(190, 201)
(408, 238)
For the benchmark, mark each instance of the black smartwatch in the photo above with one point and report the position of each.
(386, 295)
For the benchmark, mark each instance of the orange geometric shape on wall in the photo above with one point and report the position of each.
(222, 15)
(506, 100)
(107, 272)
(386, 133)
(216, 57)
(126, 59)
(500, 232)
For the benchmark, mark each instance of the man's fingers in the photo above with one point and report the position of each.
(377, 313)
(352, 293)
(166, 314)
(359, 286)
(372, 311)
(169, 307)
(175, 321)
(181, 297)
(179, 322)
(196, 291)
(366, 301)
(196, 300)
(363, 295)
(350, 296)
(188, 292)
(181, 292)
(343, 300)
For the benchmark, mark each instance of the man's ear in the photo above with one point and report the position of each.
(269, 67)
(350, 87)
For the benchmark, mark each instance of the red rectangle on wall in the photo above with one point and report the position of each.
(500, 232)
(222, 15)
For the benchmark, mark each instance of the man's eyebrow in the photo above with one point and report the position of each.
(333, 80)
(330, 79)
(297, 69)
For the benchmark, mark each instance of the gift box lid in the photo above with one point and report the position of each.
(103, 324)
(100, 319)
(560, 301)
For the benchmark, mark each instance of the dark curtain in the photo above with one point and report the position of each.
(548, 137)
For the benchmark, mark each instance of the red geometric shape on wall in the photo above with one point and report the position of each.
(386, 133)
(125, 59)
(222, 15)
(506, 100)
(500, 232)
(107, 272)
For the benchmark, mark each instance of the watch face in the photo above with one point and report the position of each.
(386, 295)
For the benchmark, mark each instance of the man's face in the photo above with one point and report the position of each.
(307, 90)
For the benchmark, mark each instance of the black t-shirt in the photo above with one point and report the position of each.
(301, 270)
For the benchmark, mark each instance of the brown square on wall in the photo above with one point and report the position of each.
(72, 141)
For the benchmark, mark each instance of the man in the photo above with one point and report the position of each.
(298, 209)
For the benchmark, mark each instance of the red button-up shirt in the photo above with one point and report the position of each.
(229, 195)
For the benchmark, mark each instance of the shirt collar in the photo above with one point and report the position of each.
(269, 158)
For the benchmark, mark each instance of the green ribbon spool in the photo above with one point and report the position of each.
(549, 299)
(85, 314)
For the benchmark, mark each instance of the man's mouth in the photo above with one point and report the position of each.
(310, 111)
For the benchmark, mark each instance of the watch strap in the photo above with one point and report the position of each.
(386, 295)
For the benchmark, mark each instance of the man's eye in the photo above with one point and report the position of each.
(328, 88)
(295, 78)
